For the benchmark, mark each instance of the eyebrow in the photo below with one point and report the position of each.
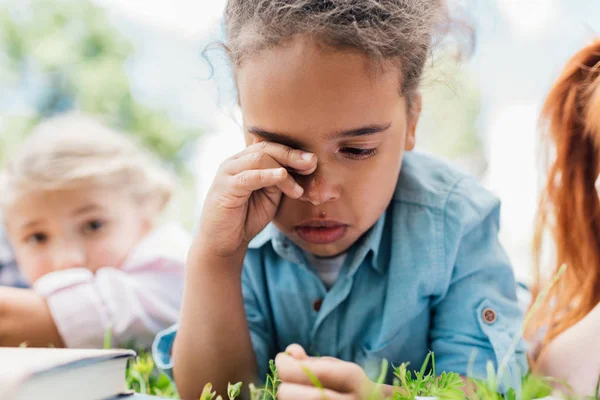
(362, 131)
(31, 224)
(86, 209)
(275, 137)
(291, 142)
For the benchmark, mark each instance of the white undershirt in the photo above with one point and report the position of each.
(328, 269)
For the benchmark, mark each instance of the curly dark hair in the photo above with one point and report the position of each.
(402, 31)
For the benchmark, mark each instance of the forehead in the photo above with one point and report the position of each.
(307, 86)
(57, 204)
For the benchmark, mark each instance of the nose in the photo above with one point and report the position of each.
(319, 187)
(68, 255)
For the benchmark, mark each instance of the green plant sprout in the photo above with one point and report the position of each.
(314, 380)
(447, 386)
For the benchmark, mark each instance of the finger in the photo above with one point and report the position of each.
(335, 374)
(294, 391)
(299, 161)
(290, 187)
(296, 351)
(257, 161)
(246, 182)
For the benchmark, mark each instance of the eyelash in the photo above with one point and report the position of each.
(41, 238)
(37, 239)
(358, 154)
(98, 226)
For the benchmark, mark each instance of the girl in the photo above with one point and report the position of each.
(324, 235)
(80, 203)
(570, 212)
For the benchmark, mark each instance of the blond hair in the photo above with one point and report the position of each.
(74, 151)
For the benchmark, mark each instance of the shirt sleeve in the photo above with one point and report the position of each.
(162, 348)
(133, 304)
(477, 317)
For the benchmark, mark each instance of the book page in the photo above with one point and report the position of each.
(18, 364)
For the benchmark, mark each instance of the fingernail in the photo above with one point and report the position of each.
(298, 190)
(278, 173)
(307, 156)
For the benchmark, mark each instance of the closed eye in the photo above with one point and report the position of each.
(356, 153)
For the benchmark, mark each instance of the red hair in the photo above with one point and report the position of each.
(569, 208)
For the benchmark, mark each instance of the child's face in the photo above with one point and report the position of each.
(354, 119)
(88, 228)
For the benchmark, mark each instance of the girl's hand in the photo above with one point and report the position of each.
(246, 193)
(341, 380)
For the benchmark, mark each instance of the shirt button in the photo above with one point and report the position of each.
(489, 316)
(316, 305)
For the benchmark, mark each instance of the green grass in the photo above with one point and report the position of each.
(447, 386)
(143, 377)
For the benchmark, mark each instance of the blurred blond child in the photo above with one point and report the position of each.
(80, 205)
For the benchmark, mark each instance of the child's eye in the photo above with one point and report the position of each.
(93, 226)
(357, 153)
(37, 238)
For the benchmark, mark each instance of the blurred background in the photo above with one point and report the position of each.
(146, 66)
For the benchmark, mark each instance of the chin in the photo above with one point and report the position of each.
(324, 250)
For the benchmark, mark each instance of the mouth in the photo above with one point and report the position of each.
(318, 231)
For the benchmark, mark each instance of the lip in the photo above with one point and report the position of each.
(319, 223)
(320, 231)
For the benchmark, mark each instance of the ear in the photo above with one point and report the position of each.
(414, 113)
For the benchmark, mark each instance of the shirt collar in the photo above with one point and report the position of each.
(371, 242)
(265, 236)
(378, 243)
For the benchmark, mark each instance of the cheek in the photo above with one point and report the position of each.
(33, 264)
(116, 245)
(378, 174)
(372, 186)
(110, 251)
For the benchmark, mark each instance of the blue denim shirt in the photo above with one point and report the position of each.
(429, 275)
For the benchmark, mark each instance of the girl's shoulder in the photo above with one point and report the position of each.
(445, 214)
(428, 182)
